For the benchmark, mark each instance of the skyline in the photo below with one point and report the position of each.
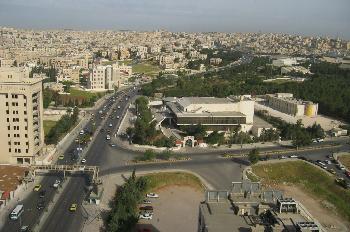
(324, 18)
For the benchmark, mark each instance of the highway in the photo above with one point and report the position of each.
(31, 214)
(217, 171)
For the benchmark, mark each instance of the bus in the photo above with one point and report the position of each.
(16, 213)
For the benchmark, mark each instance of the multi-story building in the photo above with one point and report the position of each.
(286, 103)
(221, 114)
(108, 77)
(21, 111)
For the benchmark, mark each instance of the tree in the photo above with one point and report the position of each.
(253, 156)
(215, 138)
(149, 155)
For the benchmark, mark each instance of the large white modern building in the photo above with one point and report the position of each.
(107, 77)
(21, 110)
(220, 114)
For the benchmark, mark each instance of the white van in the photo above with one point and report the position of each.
(16, 212)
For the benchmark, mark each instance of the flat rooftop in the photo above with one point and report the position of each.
(179, 113)
(185, 101)
(220, 217)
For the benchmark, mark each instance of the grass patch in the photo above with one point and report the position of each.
(310, 179)
(345, 160)
(160, 180)
(48, 124)
(80, 93)
(251, 177)
(146, 68)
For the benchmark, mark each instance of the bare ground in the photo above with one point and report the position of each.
(323, 211)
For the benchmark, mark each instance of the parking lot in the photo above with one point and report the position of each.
(176, 209)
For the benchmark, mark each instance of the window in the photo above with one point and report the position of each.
(7, 111)
(26, 135)
(9, 149)
(9, 143)
(8, 120)
(26, 150)
(7, 104)
(8, 135)
(25, 112)
(8, 127)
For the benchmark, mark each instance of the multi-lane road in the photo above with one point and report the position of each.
(217, 171)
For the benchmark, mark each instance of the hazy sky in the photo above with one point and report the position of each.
(308, 17)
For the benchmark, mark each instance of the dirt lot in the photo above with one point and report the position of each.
(175, 210)
(10, 177)
(318, 209)
(345, 160)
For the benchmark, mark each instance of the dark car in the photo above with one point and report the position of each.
(42, 193)
(40, 205)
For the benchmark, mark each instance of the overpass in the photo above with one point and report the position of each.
(93, 170)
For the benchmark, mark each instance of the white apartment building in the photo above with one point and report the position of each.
(285, 62)
(108, 77)
(21, 110)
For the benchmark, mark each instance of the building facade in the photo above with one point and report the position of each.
(21, 110)
(286, 103)
(221, 114)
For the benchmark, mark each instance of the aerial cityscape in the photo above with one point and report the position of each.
(167, 116)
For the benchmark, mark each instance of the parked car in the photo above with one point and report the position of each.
(83, 161)
(110, 125)
(146, 216)
(146, 202)
(108, 137)
(152, 195)
(146, 208)
(332, 171)
(343, 183)
(24, 229)
(81, 132)
(61, 157)
(328, 162)
(347, 173)
(293, 156)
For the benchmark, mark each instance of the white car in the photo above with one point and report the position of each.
(293, 156)
(81, 132)
(110, 125)
(79, 148)
(146, 216)
(328, 162)
(152, 195)
(118, 107)
(117, 116)
(56, 184)
(83, 161)
(283, 157)
(108, 137)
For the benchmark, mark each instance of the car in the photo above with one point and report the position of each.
(347, 173)
(37, 188)
(102, 130)
(152, 195)
(146, 202)
(146, 216)
(343, 183)
(83, 161)
(341, 167)
(118, 107)
(79, 148)
(148, 208)
(283, 157)
(110, 125)
(81, 132)
(319, 140)
(293, 156)
(118, 117)
(42, 193)
(332, 171)
(113, 145)
(73, 207)
(108, 137)
(24, 229)
(56, 184)
(76, 140)
(321, 163)
(61, 157)
(40, 205)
